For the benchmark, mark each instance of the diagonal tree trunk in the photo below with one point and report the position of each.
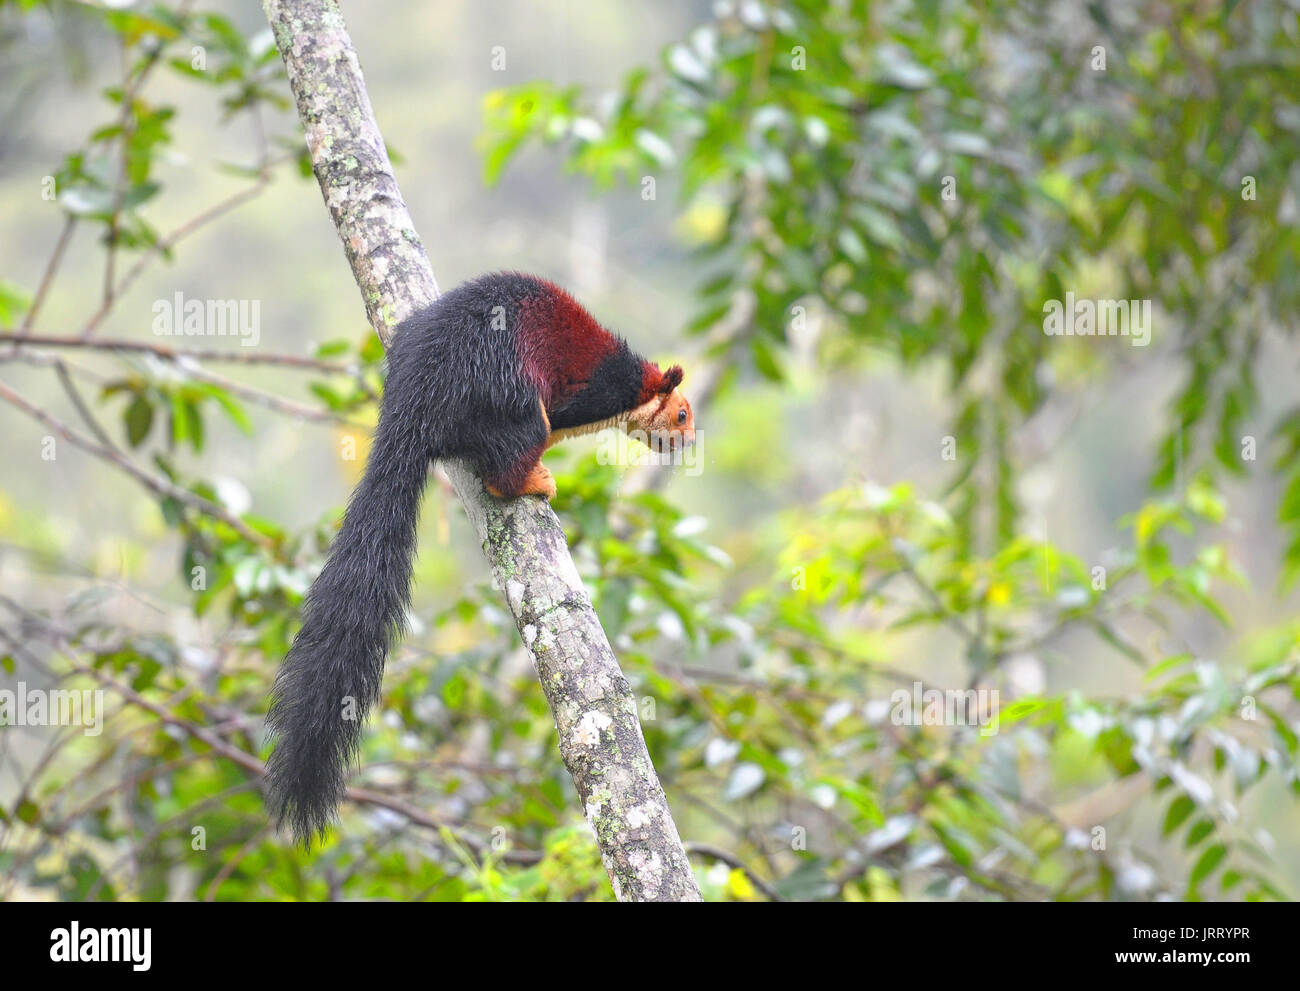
(595, 712)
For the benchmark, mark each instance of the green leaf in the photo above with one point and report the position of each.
(1207, 862)
(765, 360)
(1198, 832)
(233, 410)
(1116, 640)
(333, 348)
(13, 301)
(139, 418)
(28, 812)
(1179, 809)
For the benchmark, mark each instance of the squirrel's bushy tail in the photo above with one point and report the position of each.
(354, 611)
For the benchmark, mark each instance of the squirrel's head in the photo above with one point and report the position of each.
(665, 418)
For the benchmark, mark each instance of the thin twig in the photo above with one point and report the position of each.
(245, 356)
(271, 401)
(131, 87)
(165, 244)
(251, 763)
(158, 486)
(229, 866)
(51, 269)
(74, 394)
(731, 860)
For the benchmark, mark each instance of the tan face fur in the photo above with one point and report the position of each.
(666, 421)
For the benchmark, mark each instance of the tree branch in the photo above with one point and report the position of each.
(158, 486)
(243, 356)
(51, 269)
(595, 712)
(114, 291)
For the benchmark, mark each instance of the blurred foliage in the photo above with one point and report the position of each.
(811, 145)
(814, 143)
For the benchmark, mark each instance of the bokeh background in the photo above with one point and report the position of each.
(844, 220)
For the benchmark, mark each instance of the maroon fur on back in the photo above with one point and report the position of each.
(560, 343)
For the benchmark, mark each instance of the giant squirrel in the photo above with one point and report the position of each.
(494, 372)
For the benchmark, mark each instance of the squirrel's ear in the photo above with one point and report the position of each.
(671, 380)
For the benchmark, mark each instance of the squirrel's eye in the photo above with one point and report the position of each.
(681, 416)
